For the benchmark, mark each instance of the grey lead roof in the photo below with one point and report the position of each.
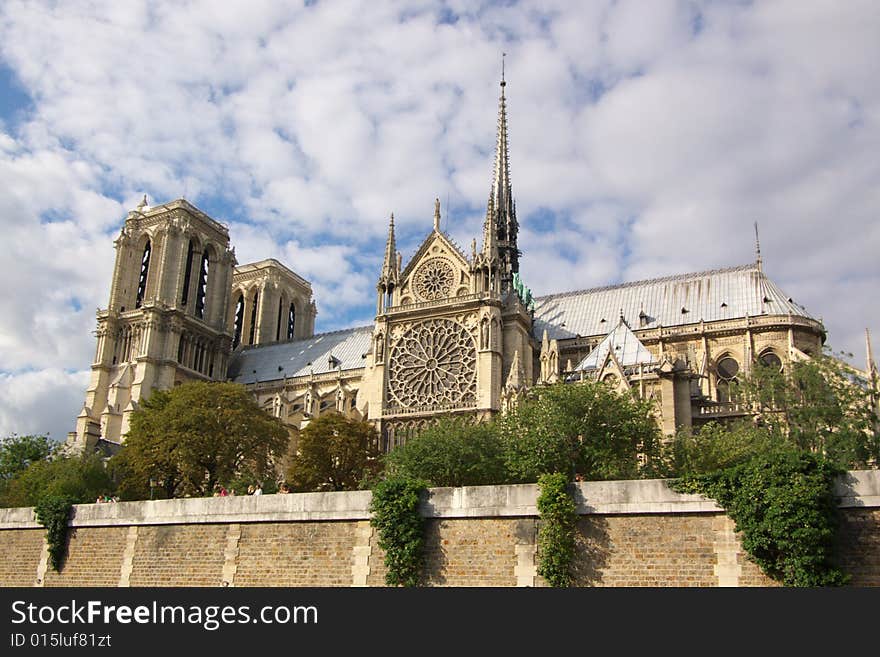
(301, 357)
(709, 296)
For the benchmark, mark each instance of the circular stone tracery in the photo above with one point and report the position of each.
(434, 279)
(433, 364)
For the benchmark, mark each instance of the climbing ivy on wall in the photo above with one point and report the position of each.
(53, 513)
(783, 503)
(401, 529)
(556, 536)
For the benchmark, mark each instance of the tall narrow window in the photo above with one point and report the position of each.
(280, 315)
(291, 321)
(238, 322)
(203, 287)
(253, 331)
(187, 274)
(142, 281)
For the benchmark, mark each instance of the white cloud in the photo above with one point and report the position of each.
(46, 401)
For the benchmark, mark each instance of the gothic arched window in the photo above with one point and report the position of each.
(253, 331)
(727, 369)
(184, 296)
(291, 321)
(203, 287)
(142, 280)
(238, 321)
(280, 316)
(771, 360)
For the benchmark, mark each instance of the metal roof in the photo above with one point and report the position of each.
(710, 296)
(627, 349)
(301, 357)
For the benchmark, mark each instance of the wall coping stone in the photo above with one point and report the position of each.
(857, 488)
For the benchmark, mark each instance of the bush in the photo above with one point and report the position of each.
(556, 537)
(783, 503)
(53, 512)
(452, 452)
(585, 428)
(715, 446)
(401, 528)
(81, 479)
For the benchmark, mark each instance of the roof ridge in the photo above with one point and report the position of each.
(456, 245)
(662, 279)
(350, 329)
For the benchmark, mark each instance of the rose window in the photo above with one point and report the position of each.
(433, 364)
(434, 279)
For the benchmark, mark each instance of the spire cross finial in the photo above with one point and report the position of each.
(503, 55)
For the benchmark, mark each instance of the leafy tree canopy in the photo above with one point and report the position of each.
(76, 478)
(452, 452)
(716, 446)
(18, 452)
(585, 428)
(819, 405)
(195, 436)
(334, 453)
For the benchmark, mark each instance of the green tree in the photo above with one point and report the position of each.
(584, 428)
(820, 405)
(715, 446)
(451, 452)
(195, 436)
(334, 453)
(18, 452)
(77, 478)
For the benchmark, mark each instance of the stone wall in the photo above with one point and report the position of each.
(631, 533)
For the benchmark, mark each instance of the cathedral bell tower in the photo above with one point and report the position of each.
(166, 321)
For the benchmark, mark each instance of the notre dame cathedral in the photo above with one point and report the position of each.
(454, 332)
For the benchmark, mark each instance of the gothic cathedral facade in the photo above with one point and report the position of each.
(454, 332)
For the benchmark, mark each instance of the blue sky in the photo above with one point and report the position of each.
(646, 139)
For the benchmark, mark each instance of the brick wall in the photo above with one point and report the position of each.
(94, 558)
(646, 550)
(20, 556)
(630, 534)
(860, 546)
(295, 554)
(179, 555)
(470, 552)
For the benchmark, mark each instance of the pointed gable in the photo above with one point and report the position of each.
(438, 270)
(622, 345)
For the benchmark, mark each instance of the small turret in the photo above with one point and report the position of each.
(390, 275)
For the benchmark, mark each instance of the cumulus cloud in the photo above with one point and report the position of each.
(41, 402)
(646, 138)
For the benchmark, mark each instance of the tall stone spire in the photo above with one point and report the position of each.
(871, 364)
(390, 274)
(501, 226)
(389, 264)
